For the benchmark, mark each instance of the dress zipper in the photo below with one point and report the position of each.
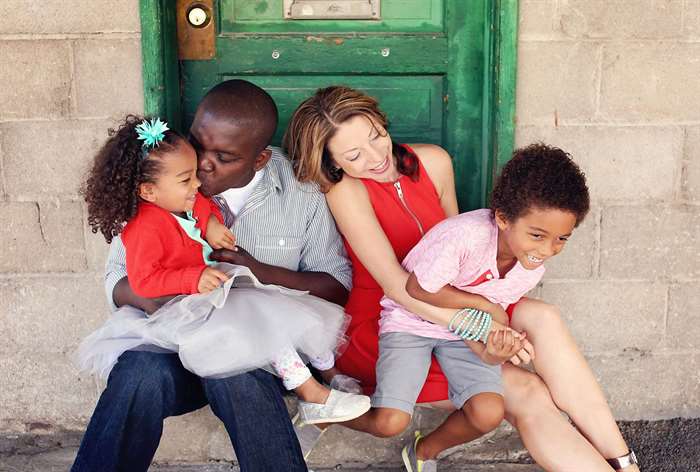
(399, 190)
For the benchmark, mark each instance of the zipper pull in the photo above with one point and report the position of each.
(397, 185)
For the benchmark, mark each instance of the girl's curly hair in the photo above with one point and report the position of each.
(112, 186)
(544, 177)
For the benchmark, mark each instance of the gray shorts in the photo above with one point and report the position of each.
(404, 361)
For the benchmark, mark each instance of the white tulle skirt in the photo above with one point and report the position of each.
(240, 326)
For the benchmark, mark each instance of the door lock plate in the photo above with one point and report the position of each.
(196, 31)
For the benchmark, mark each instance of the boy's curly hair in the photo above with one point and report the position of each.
(540, 176)
(112, 186)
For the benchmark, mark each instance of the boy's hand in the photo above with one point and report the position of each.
(210, 280)
(219, 236)
(501, 346)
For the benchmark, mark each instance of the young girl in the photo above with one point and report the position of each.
(485, 260)
(143, 184)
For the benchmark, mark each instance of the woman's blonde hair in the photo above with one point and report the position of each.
(314, 123)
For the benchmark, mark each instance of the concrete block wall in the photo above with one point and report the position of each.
(68, 70)
(614, 83)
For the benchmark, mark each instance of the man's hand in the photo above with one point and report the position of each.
(237, 256)
(501, 346)
(210, 280)
(218, 235)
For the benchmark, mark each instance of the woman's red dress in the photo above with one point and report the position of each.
(400, 222)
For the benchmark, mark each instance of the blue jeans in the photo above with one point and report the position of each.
(146, 387)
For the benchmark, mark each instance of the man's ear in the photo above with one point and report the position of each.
(262, 159)
(147, 191)
(501, 220)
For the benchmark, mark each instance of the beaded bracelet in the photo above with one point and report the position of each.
(471, 324)
(469, 330)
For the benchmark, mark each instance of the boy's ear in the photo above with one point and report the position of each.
(262, 159)
(147, 191)
(501, 220)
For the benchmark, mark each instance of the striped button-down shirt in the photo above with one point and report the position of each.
(283, 223)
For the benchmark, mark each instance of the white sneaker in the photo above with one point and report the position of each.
(345, 383)
(340, 406)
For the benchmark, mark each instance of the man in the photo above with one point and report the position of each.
(286, 236)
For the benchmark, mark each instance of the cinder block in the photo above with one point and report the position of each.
(537, 19)
(57, 166)
(650, 386)
(650, 82)
(96, 248)
(647, 158)
(579, 254)
(691, 20)
(683, 317)
(621, 18)
(50, 315)
(648, 242)
(186, 438)
(108, 77)
(45, 387)
(608, 316)
(42, 237)
(556, 82)
(69, 16)
(36, 79)
(691, 174)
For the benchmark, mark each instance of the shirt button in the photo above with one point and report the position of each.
(489, 276)
(282, 242)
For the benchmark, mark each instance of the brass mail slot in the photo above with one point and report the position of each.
(332, 9)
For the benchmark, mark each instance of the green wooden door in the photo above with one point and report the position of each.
(441, 69)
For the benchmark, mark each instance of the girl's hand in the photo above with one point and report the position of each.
(219, 236)
(210, 280)
(501, 346)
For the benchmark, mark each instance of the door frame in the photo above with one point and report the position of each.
(498, 66)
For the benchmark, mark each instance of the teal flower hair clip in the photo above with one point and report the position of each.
(151, 133)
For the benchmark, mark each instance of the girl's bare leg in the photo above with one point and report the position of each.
(549, 438)
(568, 377)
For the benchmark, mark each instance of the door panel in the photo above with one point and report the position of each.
(417, 100)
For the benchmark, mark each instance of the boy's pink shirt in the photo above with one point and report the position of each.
(459, 251)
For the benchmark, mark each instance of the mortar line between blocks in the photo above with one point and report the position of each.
(73, 82)
(597, 246)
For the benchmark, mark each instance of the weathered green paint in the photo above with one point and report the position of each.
(504, 75)
(159, 57)
(453, 83)
(266, 16)
(418, 100)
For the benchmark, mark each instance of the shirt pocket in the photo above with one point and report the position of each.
(280, 251)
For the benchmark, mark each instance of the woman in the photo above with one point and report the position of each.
(384, 196)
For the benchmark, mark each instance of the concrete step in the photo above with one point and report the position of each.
(665, 445)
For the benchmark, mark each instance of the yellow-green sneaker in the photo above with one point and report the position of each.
(411, 461)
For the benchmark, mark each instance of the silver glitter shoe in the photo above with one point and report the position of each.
(345, 383)
(307, 434)
(411, 461)
(340, 406)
